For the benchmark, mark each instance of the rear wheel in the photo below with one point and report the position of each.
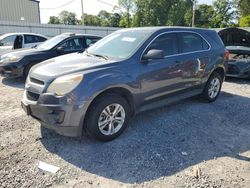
(107, 117)
(213, 87)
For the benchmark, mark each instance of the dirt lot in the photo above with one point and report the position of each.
(189, 144)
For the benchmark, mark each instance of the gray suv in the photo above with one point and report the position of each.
(129, 71)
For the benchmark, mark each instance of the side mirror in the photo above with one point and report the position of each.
(60, 49)
(153, 54)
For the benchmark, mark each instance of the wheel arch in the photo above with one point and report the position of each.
(123, 92)
(220, 71)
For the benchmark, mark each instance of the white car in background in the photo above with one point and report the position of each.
(12, 41)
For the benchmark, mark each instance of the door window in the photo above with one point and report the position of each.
(90, 41)
(168, 43)
(192, 42)
(8, 41)
(33, 39)
(72, 44)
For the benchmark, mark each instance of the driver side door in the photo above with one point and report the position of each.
(162, 77)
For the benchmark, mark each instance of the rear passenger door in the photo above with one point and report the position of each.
(193, 58)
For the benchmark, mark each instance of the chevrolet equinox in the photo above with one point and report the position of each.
(129, 71)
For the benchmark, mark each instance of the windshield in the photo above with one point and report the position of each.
(119, 45)
(47, 45)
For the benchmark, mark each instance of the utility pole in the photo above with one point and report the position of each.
(82, 12)
(194, 7)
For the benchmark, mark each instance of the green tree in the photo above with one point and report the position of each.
(244, 7)
(129, 6)
(114, 20)
(91, 20)
(204, 16)
(68, 18)
(245, 21)
(152, 13)
(178, 11)
(54, 20)
(224, 13)
(104, 16)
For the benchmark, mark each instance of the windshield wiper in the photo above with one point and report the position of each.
(101, 56)
(97, 55)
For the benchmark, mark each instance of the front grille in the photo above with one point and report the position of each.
(32, 96)
(233, 69)
(36, 81)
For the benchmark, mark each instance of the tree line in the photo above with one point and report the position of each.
(137, 13)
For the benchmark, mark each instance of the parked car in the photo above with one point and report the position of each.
(18, 63)
(12, 41)
(237, 41)
(129, 71)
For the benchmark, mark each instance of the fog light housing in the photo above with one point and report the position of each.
(58, 115)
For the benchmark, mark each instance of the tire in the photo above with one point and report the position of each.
(103, 126)
(211, 94)
(27, 70)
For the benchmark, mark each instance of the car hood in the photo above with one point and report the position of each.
(67, 64)
(21, 52)
(5, 51)
(239, 49)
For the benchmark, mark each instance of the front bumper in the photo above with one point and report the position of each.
(11, 70)
(238, 69)
(63, 115)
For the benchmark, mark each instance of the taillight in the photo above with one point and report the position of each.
(227, 56)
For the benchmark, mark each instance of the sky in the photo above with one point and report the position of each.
(54, 7)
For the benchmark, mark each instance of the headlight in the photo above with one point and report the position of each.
(10, 59)
(65, 84)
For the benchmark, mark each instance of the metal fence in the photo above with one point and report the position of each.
(52, 30)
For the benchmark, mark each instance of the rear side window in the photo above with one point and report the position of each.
(90, 41)
(166, 42)
(192, 42)
(33, 39)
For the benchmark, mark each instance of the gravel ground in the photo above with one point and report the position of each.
(188, 144)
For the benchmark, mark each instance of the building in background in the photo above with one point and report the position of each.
(20, 10)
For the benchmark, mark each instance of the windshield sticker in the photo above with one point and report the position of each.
(128, 39)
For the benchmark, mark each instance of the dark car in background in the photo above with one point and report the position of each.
(18, 63)
(129, 71)
(237, 41)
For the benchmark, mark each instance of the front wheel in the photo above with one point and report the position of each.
(213, 87)
(107, 117)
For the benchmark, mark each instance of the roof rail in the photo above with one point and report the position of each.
(69, 34)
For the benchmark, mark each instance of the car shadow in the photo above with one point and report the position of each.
(163, 141)
(238, 80)
(13, 82)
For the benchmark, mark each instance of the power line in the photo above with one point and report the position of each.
(61, 6)
(103, 2)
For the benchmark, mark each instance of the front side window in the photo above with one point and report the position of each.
(8, 41)
(51, 43)
(168, 43)
(192, 42)
(72, 44)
